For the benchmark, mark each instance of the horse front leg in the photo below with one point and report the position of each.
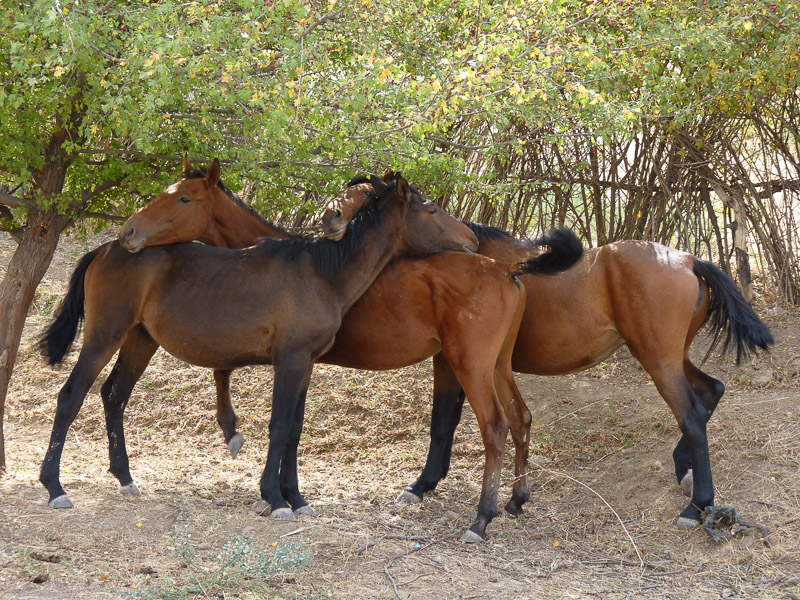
(448, 402)
(134, 356)
(226, 416)
(290, 376)
(290, 487)
(70, 400)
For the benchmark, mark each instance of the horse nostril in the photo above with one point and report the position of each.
(128, 233)
(338, 213)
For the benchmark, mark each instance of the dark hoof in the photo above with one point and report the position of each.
(685, 523)
(130, 490)
(305, 511)
(687, 483)
(61, 501)
(236, 443)
(408, 497)
(513, 509)
(470, 537)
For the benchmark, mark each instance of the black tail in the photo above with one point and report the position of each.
(565, 250)
(730, 315)
(59, 335)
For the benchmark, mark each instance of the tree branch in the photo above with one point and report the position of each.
(15, 201)
(332, 15)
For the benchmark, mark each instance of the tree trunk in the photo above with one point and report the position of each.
(739, 230)
(37, 244)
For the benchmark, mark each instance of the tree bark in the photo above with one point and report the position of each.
(37, 244)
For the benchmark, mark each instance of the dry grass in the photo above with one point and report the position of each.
(603, 443)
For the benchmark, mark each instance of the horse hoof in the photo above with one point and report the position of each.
(62, 501)
(687, 483)
(408, 497)
(261, 508)
(236, 443)
(305, 511)
(130, 490)
(470, 537)
(283, 514)
(685, 523)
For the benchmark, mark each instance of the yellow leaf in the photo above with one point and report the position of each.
(139, 525)
(384, 75)
(556, 544)
(748, 25)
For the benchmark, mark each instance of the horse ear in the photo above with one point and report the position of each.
(187, 166)
(212, 175)
(388, 176)
(403, 190)
(378, 184)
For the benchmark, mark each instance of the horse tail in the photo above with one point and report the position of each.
(729, 315)
(565, 250)
(59, 335)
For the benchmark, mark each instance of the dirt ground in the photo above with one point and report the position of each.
(600, 523)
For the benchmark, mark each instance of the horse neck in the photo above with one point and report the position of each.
(234, 226)
(381, 246)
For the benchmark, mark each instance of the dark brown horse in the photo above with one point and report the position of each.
(380, 332)
(650, 297)
(280, 302)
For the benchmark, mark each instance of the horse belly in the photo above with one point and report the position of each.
(568, 325)
(225, 337)
(385, 329)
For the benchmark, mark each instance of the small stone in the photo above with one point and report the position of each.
(146, 570)
(539, 461)
(40, 578)
(763, 378)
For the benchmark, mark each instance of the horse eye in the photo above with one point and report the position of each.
(433, 211)
(185, 199)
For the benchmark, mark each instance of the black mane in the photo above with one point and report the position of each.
(486, 232)
(200, 173)
(330, 257)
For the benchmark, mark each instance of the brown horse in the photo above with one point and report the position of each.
(650, 297)
(280, 302)
(451, 311)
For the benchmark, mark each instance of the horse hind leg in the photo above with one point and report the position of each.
(226, 416)
(448, 402)
(519, 419)
(692, 417)
(70, 399)
(479, 387)
(708, 391)
(134, 356)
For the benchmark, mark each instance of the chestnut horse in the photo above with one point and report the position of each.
(280, 302)
(379, 332)
(650, 297)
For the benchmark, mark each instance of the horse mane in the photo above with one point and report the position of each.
(487, 232)
(330, 257)
(200, 173)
